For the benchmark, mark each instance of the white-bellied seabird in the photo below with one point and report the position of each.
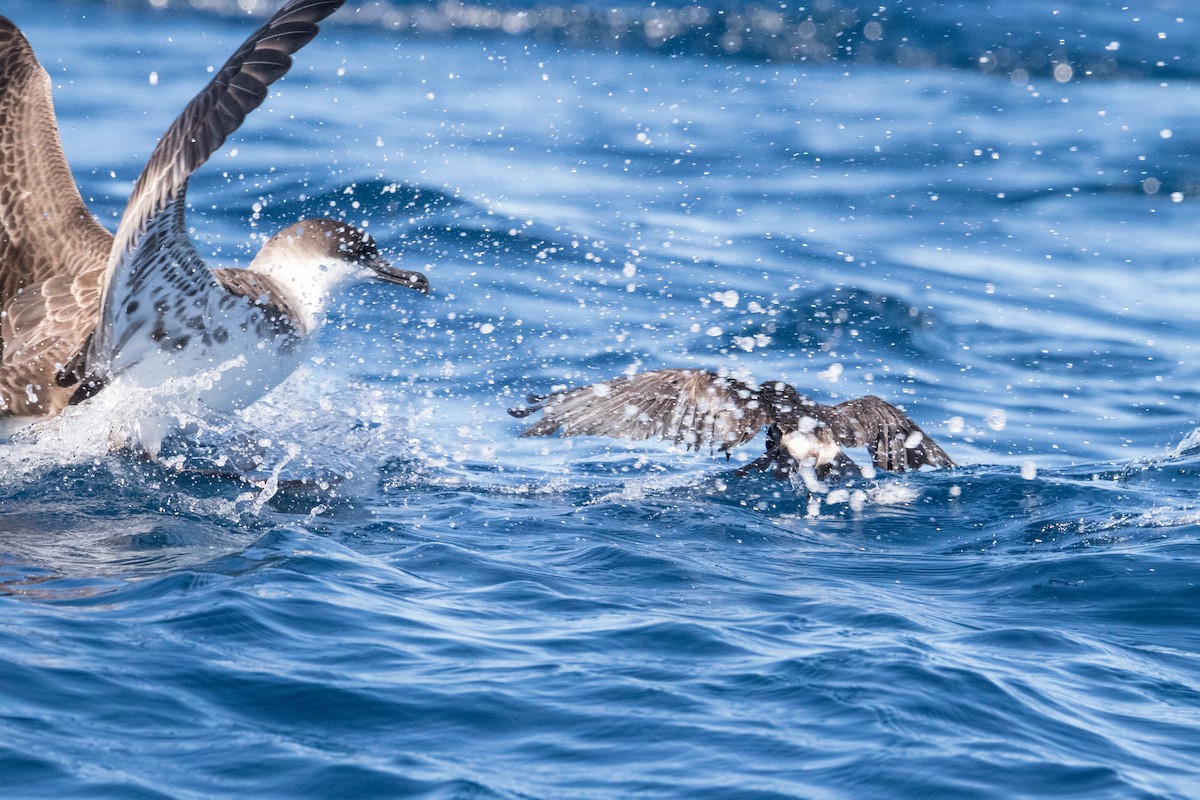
(697, 408)
(82, 308)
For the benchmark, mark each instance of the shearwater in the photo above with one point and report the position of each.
(806, 440)
(82, 309)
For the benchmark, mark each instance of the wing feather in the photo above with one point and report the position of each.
(694, 408)
(895, 442)
(52, 251)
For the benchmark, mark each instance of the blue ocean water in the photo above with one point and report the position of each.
(983, 214)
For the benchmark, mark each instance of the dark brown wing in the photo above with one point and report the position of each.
(694, 408)
(52, 251)
(895, 442)
(138, 276)
(262, 291)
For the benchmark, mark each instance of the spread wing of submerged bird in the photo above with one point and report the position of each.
(698, 409)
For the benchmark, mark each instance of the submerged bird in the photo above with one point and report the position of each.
(696, 409)
(81, 309)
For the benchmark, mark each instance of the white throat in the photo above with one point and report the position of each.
(804, 446)
(309, 280)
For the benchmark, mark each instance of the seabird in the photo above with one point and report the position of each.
(82, 309)
(698, 408)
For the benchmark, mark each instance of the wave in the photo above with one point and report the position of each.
(848, 317)
(1023, 39)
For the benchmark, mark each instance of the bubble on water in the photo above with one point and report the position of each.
(271, 485)
(832, 373)
(748, 343)
(893, 494)
(729, 298)
(838, 496)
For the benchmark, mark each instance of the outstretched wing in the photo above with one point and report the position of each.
(895, 442)
(694, 408)
(52, 251)
(153, 269)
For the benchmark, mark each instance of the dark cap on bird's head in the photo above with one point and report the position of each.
(349, 243)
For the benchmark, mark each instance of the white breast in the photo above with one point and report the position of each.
(805, 447)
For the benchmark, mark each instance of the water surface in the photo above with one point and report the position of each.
(984, 215)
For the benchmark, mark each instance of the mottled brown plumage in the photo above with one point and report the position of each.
(52, 251)
(697, 409)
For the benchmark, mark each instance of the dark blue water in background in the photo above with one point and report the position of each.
(984, 214)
